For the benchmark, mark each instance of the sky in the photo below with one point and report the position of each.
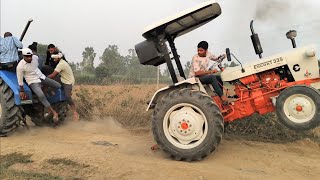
(73, 25)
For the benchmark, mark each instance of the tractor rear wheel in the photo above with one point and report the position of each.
(10, 114)
(298, 107)
(187, 125)
(62, 109)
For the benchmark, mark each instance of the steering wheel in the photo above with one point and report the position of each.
(219, 61)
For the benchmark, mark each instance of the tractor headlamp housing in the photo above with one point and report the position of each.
(310, 52)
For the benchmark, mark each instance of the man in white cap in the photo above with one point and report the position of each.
(67, 79)
(34, 77)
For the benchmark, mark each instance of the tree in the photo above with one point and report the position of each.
(135, 71)
(102, 72)
(232, 64)
(112, 60)
(42, 50)
(73, 67)
(76, 69)
(187, 67)
(87, 63)
(132, 65)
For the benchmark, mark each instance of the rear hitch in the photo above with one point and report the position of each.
(154, 147)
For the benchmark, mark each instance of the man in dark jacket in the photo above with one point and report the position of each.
(52, 49)
(50, 64)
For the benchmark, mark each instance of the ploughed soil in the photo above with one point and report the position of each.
(104, 149)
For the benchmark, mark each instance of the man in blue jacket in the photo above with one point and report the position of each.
(9, 51)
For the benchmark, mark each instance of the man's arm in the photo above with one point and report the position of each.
(202, 73)
(20, 72)
(17, 43)
(56, 71)
(212, 56)
(54, 74)
(20, 75)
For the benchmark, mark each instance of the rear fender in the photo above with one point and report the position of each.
(10, 78)
(193, 83)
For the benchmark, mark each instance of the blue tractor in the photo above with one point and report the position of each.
(13, 110)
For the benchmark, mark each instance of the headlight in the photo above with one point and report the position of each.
(311, 53)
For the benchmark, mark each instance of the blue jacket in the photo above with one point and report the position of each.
(9, 49)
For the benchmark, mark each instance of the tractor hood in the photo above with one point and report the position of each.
(185, 21)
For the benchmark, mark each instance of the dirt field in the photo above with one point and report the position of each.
(103, 150)
(107, 148)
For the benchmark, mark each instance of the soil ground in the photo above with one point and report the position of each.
(102, 149)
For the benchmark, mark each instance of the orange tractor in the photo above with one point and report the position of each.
(189, 118)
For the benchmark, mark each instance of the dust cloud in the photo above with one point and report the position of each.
(97, 125)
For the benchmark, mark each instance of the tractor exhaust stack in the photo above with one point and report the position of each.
(256, 41)
(292, 34)
(25, 29)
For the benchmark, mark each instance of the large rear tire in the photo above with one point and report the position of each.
(62, 109)
(187, 125)
(298, 107)
(10, 114)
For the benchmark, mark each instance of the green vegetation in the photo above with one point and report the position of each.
(14, 158)
(11, 159)
(67, 162)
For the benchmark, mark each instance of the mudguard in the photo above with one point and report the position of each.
(11, 79)
(193, 83)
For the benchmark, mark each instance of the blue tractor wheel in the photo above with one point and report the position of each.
(10, 114)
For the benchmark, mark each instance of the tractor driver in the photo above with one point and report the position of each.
(200, 62)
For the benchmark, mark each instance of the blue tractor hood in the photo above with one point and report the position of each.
(10, 78)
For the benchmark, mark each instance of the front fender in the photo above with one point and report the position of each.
(10, 78)
(193, 83)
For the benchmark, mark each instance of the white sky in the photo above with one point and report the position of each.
(74, 24)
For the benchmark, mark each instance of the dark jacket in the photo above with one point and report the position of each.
(51, 62)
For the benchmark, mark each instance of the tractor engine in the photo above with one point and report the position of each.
(267, 79)
(256, 93)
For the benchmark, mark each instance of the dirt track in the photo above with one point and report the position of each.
(127, 155)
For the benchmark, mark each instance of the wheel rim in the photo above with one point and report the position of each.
(185, 126)
(299, 108)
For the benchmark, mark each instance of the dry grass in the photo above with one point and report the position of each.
(126, 103)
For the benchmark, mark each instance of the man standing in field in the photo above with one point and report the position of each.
(67, 79)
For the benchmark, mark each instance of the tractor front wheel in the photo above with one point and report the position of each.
(298, 108)
(187, 125)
